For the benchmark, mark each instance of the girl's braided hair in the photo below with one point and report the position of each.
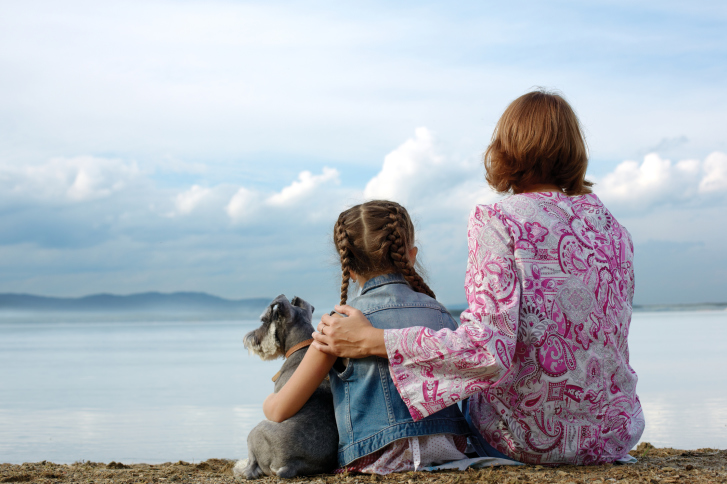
(373, 238)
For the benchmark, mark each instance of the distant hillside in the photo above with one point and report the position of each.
(200, 303)
(177, 302)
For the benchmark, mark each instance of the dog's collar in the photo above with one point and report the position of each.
(299, 346)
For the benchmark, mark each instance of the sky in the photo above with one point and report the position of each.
(210, 145)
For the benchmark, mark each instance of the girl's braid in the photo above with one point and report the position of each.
(344, 250)
(397, 251)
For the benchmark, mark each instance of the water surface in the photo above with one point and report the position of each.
(146, 391)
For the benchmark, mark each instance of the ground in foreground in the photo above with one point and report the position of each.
(654, 466)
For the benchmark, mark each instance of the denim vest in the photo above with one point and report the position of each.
(370, 414)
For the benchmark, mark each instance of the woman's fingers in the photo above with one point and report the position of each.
(330, 323)
(321, 346)
(324, 344)
(348, 310)
(326, 321)
(343, 334)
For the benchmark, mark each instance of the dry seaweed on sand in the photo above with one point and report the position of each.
(655, 466)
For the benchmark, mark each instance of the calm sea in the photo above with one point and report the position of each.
(146, 391)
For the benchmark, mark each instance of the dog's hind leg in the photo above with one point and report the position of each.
(260, 451)
(247, 468)
(287, 471)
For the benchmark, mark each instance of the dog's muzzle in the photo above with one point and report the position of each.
(251, 341)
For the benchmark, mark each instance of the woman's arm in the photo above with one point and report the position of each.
(433, 370)
(296, 391)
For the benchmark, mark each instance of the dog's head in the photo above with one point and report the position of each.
(284, 325)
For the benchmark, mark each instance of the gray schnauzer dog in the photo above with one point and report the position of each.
(306, 443)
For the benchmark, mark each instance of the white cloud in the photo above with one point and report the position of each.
(405, 168)
(188, 200)
(438, 187)
(76, 179)
(243, 204)
(303, 187)
(302, 195)
(418, 175)
(715, 173)
(660, 181)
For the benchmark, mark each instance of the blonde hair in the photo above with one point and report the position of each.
(373, 238)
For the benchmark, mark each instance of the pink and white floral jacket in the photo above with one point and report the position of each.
(542, 350)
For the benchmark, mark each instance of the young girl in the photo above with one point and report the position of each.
(377, 434)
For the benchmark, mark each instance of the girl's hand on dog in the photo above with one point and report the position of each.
(298, 389)
(269, 405)
(351, 336)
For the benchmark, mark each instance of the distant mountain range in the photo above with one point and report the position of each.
(176, 302)
(200, 303)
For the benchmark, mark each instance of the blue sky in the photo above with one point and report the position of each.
(209, 146)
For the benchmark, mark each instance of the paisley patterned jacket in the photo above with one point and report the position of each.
(542, 350)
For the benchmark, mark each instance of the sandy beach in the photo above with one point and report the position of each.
(655, 466)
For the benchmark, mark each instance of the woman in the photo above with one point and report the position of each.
(542, 350)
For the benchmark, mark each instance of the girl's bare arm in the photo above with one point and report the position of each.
(296, 391)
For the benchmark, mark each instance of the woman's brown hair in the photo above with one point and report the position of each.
(373, 238)
(538, 140)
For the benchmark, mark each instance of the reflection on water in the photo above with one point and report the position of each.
(130, 391)
(680, 359)
(164, 391)
(685, 425)
(135, 435)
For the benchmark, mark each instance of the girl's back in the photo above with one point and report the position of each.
(369, 411)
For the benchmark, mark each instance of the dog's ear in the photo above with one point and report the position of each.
(280, 309)
(278, 312)
(303, 304)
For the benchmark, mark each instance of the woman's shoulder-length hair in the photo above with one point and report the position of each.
(538, 140)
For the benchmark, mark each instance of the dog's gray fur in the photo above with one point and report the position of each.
(306, 443)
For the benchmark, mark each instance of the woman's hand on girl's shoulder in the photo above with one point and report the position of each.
(349, 334)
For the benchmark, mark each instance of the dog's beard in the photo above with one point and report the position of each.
(268, 348)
